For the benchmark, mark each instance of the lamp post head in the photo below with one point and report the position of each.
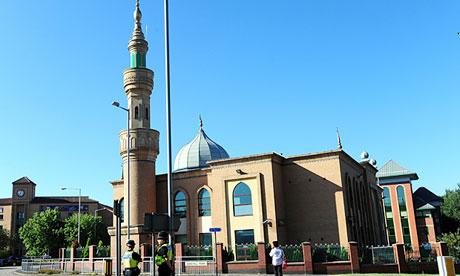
(117, 104)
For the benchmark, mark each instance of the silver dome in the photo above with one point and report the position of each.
(200, 150)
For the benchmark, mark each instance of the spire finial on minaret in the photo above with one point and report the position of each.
(137, 16)
(201, 122)
(338, 138)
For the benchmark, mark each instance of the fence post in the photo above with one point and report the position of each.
(307, 258)
(91, 255)
(441, 249)
(400, 257)
(262, 264)
(72, 257)
(220, 257)
(353, 255)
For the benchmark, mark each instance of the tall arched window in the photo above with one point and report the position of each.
(204, 203)
(147, 113)
(242, 201)
(180, 205)
(122, 207)
(136, 112)
(403, 214)
(389, 215)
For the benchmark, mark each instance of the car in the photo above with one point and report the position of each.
(2, 262)
(14, 261)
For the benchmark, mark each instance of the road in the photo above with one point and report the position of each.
(9, 270)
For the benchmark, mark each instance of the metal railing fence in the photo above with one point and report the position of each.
(376, 255)
(293, 253)
(329, 253)
(195, 265)
(246, 252)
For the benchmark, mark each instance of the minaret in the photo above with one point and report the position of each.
(138, 84)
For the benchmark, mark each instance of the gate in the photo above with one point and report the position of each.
(195, 265)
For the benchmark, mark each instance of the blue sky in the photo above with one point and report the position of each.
(265, 76)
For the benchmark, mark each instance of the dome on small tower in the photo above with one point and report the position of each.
(200, 150)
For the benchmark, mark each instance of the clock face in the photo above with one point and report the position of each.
(20, 193)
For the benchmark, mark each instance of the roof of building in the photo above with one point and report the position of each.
(24, 180)
(424, 199)
(5, 201)
(393, 169)
(200, 150)
(61, 199)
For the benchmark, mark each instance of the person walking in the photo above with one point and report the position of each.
(130, 260)
(163, 258)
(277, 255)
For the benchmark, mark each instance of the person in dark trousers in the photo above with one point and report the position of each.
(130, 260)
(163, 258)
(277, 255)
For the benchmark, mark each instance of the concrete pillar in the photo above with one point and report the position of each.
(144, 249)
(307, 258)
(400, 257)
(262, 264)
(353, 256)
(441, 249)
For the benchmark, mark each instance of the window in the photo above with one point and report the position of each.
(1, 217)
(242, 201)
(1, 209)
(204, 203)
(136, 112)
(389, 215)
(180, 239)
(403, 214)
(244, 236)
(205, 239)
(147, 113)
(122, 207)
(180, 205)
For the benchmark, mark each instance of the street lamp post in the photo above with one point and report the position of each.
(116, 104)
(79, 209)
(95, 213)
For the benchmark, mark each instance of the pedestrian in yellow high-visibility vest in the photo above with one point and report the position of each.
(163, 258)
(130, 260)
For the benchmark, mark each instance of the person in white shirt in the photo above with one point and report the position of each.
(277, 255)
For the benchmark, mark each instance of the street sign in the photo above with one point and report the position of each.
(215, 229)
(154, 222)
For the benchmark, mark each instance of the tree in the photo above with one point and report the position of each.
(450, 210)
(4, 238)
(43, 234)
(87, 223)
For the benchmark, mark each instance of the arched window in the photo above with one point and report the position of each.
(147, 113)
(122, 207)
(136, 113)
(180, 205)
(403, 214)
(204, 203)
(242, 201)
(389, 215)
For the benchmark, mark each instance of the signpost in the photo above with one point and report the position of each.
(215, 230)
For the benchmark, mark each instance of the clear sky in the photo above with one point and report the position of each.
(265, 76)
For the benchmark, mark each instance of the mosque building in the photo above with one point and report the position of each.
(323, 197)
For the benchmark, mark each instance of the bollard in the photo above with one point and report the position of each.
(108, 268)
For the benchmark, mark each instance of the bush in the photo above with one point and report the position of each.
(75, 272)
(49, 271)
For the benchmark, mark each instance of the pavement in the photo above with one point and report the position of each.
(16, 271)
